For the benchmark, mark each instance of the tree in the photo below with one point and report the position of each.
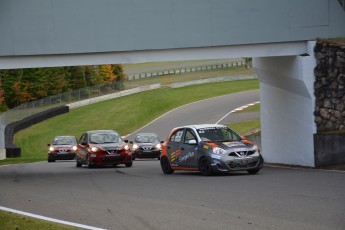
(3, 106)
(106, 73)
(119, 75)
(20, 93)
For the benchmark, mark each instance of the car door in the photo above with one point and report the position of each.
(173, 146)
(188, 148)
(82, 147)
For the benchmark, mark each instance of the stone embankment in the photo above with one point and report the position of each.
(329, 87)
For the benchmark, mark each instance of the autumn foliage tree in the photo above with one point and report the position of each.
(24, 85)
(3, 106)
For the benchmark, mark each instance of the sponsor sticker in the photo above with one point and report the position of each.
(215, 156)
(205, 146)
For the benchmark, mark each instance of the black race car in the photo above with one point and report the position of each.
(146, 145)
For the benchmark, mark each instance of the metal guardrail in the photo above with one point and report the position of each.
(184, 70)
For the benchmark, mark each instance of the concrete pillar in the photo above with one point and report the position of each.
(287, 106)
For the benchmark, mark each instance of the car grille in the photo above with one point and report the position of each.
(241, 153)
(112, 158)
(63, 151)
(242, 164)
(146, 148)
(111, 151)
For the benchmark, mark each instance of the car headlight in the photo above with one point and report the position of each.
(158, 146)
(74, 148)
(95, 149)
(126, 147)
(218, 150)
(135, 146)
(255, 148)
(51, 149)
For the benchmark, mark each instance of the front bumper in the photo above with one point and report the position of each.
(61, 156)
(237, 164)
(146, 154)
(110, 159)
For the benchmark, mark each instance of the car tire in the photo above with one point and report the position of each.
(253, 171)
(166, 167)
(87, 162)
(51, 160)
(159, 157)
(205, 167)
(129, 164)
(77, 163)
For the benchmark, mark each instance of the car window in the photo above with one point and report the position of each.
(189, 136)
(146, 139)
(63, 141)
(101, 138)
(177, 136)
(218, 134)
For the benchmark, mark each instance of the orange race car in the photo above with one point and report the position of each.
(209, 148)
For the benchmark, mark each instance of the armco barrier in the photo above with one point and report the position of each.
(14, 151)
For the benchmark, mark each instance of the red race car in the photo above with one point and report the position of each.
(103, 147)
(62, 148)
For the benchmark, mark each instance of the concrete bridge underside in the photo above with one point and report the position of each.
(277, 33)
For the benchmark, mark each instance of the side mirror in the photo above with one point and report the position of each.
(162, 142)
(83, 143)
(243, 137)
(48, 144)
(126, 141)
(192, 142)
(131, 142)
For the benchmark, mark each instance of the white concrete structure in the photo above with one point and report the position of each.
(287, 106)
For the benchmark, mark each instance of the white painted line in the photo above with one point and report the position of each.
(237, 109)
(50, 219)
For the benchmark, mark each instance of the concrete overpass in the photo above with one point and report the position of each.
(277, 33)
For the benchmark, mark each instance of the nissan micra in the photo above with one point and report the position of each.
(209, 148)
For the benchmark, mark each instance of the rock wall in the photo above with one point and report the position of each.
(329, 87)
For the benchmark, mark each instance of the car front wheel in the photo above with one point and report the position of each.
(129, 164)
(87, 162)
(166, 167)
(205, 167)
(77, 163)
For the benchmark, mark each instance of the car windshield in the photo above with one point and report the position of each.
(146, 139)
(63, 141)
(102, 138)
(218, 134)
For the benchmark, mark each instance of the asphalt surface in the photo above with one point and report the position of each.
(142, 197)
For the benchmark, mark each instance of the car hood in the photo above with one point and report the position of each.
(233, 146)
(107, 146)
(62, 146)
(146, 143)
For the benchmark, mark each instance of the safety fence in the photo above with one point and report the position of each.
(185, 70)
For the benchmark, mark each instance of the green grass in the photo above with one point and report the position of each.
(9, 221)
(168, 79)
(246, 126)
(125, 114)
